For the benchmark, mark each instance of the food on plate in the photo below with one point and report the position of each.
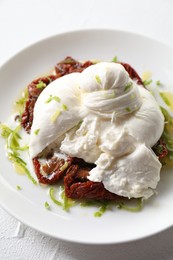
(96, 127)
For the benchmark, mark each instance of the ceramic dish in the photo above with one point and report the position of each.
(79, 225)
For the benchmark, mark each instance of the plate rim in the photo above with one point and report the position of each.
(47, 38)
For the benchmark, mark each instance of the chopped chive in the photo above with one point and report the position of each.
(23, 148)
(167, 116)
(18, 187)
(21, 101)
(136, 208)
(55, 115)
(36, 131)
(49, 99)
(115, 59)
(128, 86)
(101, 211)
(67, 202)
(5, 131)
(98, 79)
(51, 194)
(40, 84)
(17, 159)
(46, 204)
(55, 98)
(128, 109)
(12, 138)
(64, 107)
(110, 95)
(80, 122)
(147, 82)
(64, 167)
(102, 205)
(158, 83)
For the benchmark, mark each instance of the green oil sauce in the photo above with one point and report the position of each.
(18, 169)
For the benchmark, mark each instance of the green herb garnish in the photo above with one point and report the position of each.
(36, 131)
(52, 196)
(55, 115)
(167, 116)
(147, 82)
(115, 59)
(22, 148)
(21, 101)
(18, 187)
(64, 107)
(12, 137)
(66, 203)
(128, 109)
(101, 210)
(64, 167)
(128, 86)
(102, 205)
(58, 111)
(158, 83)
(55, 98)
(109, 95)
(40, 84)
(5, 131)
(136, 208)
(46, 204)
(98, 79)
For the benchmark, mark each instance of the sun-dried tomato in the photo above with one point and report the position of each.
(77, 186)
(69, 65)
(33, 94)
(52, 173)
(132, 73)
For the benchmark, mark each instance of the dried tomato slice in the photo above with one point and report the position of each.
(69, 65)
(132, 73)
(34, 90)
(77, 186)
(53, 169)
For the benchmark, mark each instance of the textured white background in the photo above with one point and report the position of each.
(23, 22)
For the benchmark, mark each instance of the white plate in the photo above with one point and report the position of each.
(79, 225)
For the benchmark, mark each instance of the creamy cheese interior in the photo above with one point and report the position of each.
(103, 117)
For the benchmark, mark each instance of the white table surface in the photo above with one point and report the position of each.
(23, 22)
